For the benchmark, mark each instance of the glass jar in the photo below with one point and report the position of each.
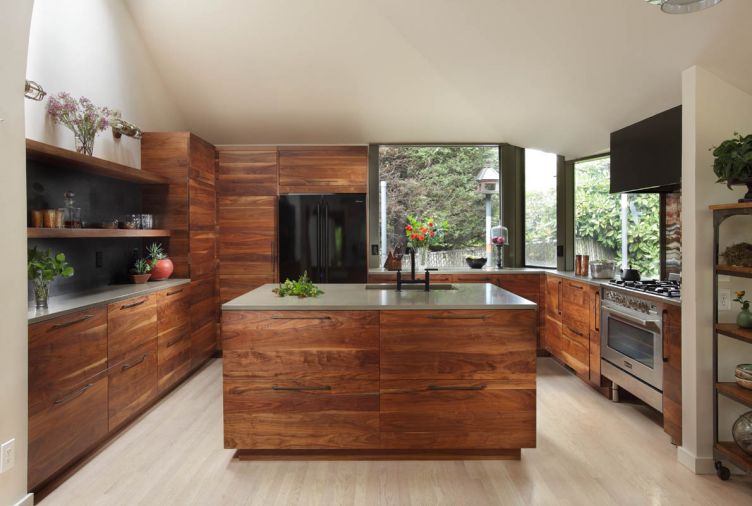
(72, 213)
(132, 221)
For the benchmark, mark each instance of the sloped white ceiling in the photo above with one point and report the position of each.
(557, 75)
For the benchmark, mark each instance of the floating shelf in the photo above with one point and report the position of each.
(735, 392)
(734, 270)
(733, 330)
(77, 233)
(734, 205)
(65, 158)
(735, 454)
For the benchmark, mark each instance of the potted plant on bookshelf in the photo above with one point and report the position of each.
(733, 163)
(161, 265)
(43, 268)
(744, 318)
(141, 271)
(82, 117)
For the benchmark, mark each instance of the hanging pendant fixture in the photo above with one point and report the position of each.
(683, 6)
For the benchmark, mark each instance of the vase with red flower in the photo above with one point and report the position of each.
(422, 234)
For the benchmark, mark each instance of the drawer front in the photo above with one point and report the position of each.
(457, 414)
(459, 345)
(173, 356)
(65, 352)
(575, 352)
(67, 427)
(131, 324)
(575, 310)
(320, 415)
(132, 384)
(472, 278)
(173, 308)
(552, 336)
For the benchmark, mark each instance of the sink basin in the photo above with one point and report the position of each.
(416, 287)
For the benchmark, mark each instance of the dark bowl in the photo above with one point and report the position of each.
(476, 263)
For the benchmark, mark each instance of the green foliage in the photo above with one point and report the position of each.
(303, 287)
(156, 252)
(42, 265)
(141, 266)
(733, 159)
(426, 233)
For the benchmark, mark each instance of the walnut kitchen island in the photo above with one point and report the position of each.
(375, 373)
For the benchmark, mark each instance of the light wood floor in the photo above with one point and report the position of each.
(590, 451)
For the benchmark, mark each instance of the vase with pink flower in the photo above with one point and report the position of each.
(499, 238)
(81, 117)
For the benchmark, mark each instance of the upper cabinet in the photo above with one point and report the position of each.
(323, 169)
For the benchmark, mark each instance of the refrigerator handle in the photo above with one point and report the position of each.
(326, 242)
(317, 265)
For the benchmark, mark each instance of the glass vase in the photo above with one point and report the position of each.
(423, 256)
(41, 293)
(84, 143)
(744, 319)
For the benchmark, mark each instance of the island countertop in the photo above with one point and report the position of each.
(355, 297)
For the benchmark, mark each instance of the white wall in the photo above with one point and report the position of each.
(93, 49)
(14, 37)
(712, 111)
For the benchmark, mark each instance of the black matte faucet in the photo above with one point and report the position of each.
(426, 280)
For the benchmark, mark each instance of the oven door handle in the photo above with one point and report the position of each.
(647, 324)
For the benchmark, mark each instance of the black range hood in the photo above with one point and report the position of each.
(646, 156)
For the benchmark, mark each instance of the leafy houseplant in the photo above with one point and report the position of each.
(744, 318)
(43, 268)
(82, 117)
(733, 163)
(161, 265)
(421, 235)
(141, 271)
(301, 288)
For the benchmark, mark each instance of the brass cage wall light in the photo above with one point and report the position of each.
(121, 127)
(34, 91)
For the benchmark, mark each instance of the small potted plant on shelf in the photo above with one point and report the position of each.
(733, 163)
(744, 318)
(161, 265)
(43, 268)
(141, 271)
(82, 117)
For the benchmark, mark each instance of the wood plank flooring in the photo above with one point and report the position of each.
(590, 451)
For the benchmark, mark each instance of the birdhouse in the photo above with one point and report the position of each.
(488, 181)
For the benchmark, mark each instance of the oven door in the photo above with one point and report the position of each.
(633, 343)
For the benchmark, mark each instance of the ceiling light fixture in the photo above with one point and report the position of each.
(683, 6)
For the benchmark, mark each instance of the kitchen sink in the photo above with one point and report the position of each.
(415, 287)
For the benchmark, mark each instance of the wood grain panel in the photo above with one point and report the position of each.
(345, 416)
(202, 157)
(575, 306)
(552, 336)
(203, 302)
(247, 236)
(65, 352)
(246, 172)
(458, 344)
(233, 286)
(173, 356)
(203, 254)
(65, 429)
(203, 343)
(173, 308)
(317, 169)
(421, 414)
(595, 336)
(166, 154)
(132, 323)
(575, 351)
(302, 365)
(672, 382)
(553, 296)
(132, 384)
(203, 206)
(524, 285)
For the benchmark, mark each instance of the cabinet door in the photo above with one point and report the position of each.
(203, 206)
(243, 172)
(202, 160)
(204, 306)
(595, 336)
(247, 236)
(174, 340)
(131, 324)
(552, 336)
(553, 296)
(575, 351)
(672, 391)
(132, 384)
(575, 307)
(323, 169)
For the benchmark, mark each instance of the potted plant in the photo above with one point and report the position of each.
(141, 271)
(744, 318)
(733, 163)
(43, 268)
(161, 265)
(82, 117)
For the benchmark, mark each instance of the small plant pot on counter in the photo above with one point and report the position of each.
(138, 279)
(162, 269)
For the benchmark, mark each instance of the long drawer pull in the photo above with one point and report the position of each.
(301, 317)
(73, 322)
(175, 292)
(128, 306)
(299, 389)
(577, 287)
(74, 395)
(433, 317)
(454, 387)
(125, 367)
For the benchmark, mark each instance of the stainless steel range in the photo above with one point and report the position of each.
(632, 338)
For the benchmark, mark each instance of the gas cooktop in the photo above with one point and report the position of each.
(669, 289)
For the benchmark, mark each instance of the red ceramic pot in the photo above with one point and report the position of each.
(162, 270)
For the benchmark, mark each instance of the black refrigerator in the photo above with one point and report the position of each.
(324, 235)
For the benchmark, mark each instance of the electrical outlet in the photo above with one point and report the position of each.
(98, 259)
(7, 456)
(724, 299)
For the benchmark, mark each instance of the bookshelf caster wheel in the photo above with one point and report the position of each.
(722, 471)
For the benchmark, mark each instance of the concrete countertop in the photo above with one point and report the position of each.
(61, 305)
(357, 298)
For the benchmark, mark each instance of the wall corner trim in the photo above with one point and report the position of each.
(698, 465)
(27, 500)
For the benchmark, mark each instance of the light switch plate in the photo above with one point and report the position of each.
(724, 299)
(7, 455)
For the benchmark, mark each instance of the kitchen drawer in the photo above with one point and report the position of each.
(131, 324)
(459, 344)
(328, 415)
(64, 352)
(473, 278)
(575, 352)
(132, 384)
(173, 308)
(65, 428)
(575, 306)
(457, 414)
(173, 356)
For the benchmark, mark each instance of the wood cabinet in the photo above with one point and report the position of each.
(672, 388)
(595, 336)
(131, 323)
(567, 328)
(132, 384)
(575, 307)
(174, 338)
(323, 169)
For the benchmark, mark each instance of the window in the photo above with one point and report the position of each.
(540, 209)
(440, 183)
(621, 228)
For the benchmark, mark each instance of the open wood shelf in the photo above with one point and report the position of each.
(734, 205)
(735, 392)
(65, 158)
(734, 270)
(733, 330)
(732, 452)
(77, 233)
